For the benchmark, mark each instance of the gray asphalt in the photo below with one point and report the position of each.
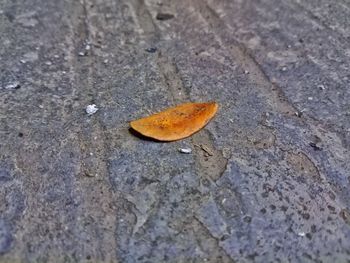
(268, 179)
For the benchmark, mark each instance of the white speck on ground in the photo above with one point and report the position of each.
(310, 98)
(185, 150)
(11, 86)
(91, 109)
(301, 234)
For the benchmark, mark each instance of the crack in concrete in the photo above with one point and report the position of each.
(216, 239)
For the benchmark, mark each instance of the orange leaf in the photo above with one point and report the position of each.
(177, 122)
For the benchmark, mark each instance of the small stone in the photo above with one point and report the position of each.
(284, 69)
(310, 98)
(246, 72)
(91, 109)
(105, 61)
(48, 63)
(22, 61)
(321, 87)
(185, 150)
(81, 54)
(56, 56)
(87, 47)
(151, 50)
(12, 86)
(299, 113)
(301, 234)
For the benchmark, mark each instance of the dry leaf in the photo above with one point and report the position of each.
(176, 123)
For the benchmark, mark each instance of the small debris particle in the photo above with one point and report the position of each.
(48, 63)
(22, 61)
(345, 214)
(105, 61)
(321, 87)
(91, 109)
(151, 50)
(185, 150)
(301, 234)
(56, 56)
(87, 47)
(315, 146)
(300, 113)
(310, 98)
(205, 149)
(81, 54)
(12, 86)
(246, 72)
(88, 174)
(40, 106)
(284, 69)
(164, 16)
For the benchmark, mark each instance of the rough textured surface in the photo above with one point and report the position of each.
(268, 179)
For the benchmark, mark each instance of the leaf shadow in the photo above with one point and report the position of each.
(143, 137)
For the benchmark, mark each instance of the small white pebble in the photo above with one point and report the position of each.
(310, 98)
(91, 154)
(284, 69)
(301, 234)
(87, 47)
(22, 61)
(321, 87)
(105, 61)
(185, 150)
(91, 109)
(223, 201)
(14, 85)
(81, 54)
(48, 63)
(246, 72)
(40, 106)
(56, 56)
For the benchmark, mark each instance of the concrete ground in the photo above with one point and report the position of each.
(268, 179)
